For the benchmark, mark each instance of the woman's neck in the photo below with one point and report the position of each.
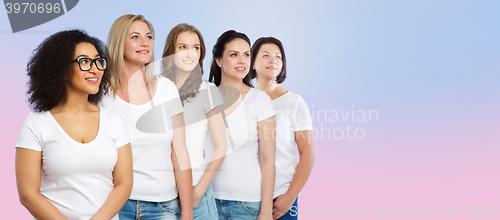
(133, 76)
(267, 85)
(232, 82)
(75, 102)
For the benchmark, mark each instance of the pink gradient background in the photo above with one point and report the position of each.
(430, 69)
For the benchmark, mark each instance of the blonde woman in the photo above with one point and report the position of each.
(183, 64)
(244, 186)
(161, 161)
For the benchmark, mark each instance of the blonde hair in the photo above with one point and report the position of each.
(116, 46)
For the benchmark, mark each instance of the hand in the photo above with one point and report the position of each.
(263, 216)
(197, 196)
(282, 204)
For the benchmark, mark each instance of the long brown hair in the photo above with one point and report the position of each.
(191, 86)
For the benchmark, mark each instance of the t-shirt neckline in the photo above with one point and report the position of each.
(69, 137)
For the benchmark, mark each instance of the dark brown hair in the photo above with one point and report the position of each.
(218, 50)
(255, 50)
(192, 84)
(49, 69)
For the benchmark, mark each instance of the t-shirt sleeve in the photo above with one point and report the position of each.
(265, 107)
(27, 136)
(214, 97)
(121, 137)
(173, 98)
(301, 119)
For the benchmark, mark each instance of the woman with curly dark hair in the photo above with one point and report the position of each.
(183, 64)
(73, 158)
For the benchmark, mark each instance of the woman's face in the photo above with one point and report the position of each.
(235, 59)
(268, 63)
(187, 51)
(139, 44)
(86, 82)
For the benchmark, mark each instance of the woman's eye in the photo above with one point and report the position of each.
(247, 55)
(278, 57)
(182, 47)
(233, 55)
(150, 37)
(134, 37)
(265, 55)
(83, 61)
(196, 48)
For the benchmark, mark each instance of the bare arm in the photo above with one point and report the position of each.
(182, 167)
(218, 131)
(305, 145)
(122, 178)
(28, 177)
(267, 148)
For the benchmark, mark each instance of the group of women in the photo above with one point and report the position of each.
(109, 139)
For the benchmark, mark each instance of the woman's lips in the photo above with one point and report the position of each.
(240, 69)
(93, 80)
(142, 51)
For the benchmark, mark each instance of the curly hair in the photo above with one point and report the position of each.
(191, 86)
(218, 50)
(49, 69)
(255, 50)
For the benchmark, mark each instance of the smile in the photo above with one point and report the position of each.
(92, 80)
(240, 69)
(142, 51)
(188, 61)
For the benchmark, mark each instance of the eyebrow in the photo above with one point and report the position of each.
(269, 52)
(86, 56)
(139, 33)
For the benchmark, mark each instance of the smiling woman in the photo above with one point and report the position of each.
(73, 159)
(161, 161)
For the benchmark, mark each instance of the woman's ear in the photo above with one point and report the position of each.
(219, 63)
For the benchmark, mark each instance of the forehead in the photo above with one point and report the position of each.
(237, 44)
(85, 48)
(138, 26)
(188, 37)
(271, 48)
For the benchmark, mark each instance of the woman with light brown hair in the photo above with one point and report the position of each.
(161, 162)
(183, 64)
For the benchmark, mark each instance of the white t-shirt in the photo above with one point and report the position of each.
(195, 118)
(151, 132)
(76, 178)
(292, 115)
(239, 177)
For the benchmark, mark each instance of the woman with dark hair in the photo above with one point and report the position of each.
(73, 159)
(183, 64)
(293, 126)
(152, 111)
(244, 186)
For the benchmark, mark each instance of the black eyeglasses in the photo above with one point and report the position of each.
(85, 64)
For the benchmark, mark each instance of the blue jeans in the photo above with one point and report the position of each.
(207, 209)
(144, 210)
(292, 212)
(229, 209)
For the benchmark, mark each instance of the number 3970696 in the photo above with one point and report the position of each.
(33, 8)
